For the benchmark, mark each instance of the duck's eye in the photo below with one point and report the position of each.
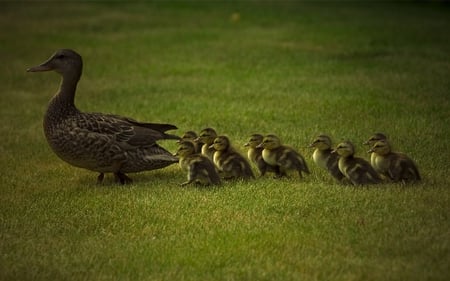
(60, 56)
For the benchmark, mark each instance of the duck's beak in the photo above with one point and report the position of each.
(370, 150)
(247, 144)
(211, 146)
(42, 67)
(259, 145)
(311, 145)
(366, 143)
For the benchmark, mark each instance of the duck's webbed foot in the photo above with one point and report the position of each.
(122, 178)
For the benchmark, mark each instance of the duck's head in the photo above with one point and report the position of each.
(64, 61)
(270, 142)
(381, 147)
(207, 136)
(221, 143)
(345, 149)
(185, 148)
(321, 142)
(254, 141)
(189, 135)
(373, 139)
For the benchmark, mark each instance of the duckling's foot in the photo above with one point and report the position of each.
(100, 178)
(122, 178)
(184, 184)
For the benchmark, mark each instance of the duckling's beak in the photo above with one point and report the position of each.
(311, 145)
(247, 144)
(211, 146)
(259, 145)
(366, 143)
(370, 150)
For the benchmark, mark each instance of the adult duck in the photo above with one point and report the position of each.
(103, 143)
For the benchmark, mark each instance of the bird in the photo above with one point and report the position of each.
(282, 156)
(324, 156)
(230, 163)
(395, 166)
(254, 154)
(104, 143)
(370, 142)
(199, 168)
(192, 136)
(207, 137)
(355, 169)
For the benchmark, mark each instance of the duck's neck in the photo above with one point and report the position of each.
(64, 100)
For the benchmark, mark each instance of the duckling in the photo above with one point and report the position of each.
(285, 157)
(200, 169)
(104, 143)
(325, 157)
(230, 162)
(394, 165)
(370, 142)
(254, 154)
(207, 137)
(192, 136)
(357, 170)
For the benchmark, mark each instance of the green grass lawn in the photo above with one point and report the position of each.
(294, 69)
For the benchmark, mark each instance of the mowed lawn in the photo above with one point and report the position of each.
(293, 69)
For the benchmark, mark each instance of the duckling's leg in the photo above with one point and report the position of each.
(100, 178)
(122, 178)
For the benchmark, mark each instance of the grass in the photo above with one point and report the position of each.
(295, 69)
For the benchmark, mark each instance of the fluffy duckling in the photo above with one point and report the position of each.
(254, 154)
(207, 137)
(371, 142)
(394, 165)
(229, 162)
(357, 170)
(284, 157)
(325, 157)
(200, 169)
(192, 136)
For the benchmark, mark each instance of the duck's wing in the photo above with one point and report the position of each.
(160, 127)
(124, 130)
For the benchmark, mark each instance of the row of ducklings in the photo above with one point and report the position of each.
(209, 157)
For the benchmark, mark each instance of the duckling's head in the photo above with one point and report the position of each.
(189, 135)
(345, 149)
(321, 142)
(221, 143)
(64, 61)
(185, 148)
(207, 136)
(381, 147)
(373, 139)
(270, 142)
(255, 140)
